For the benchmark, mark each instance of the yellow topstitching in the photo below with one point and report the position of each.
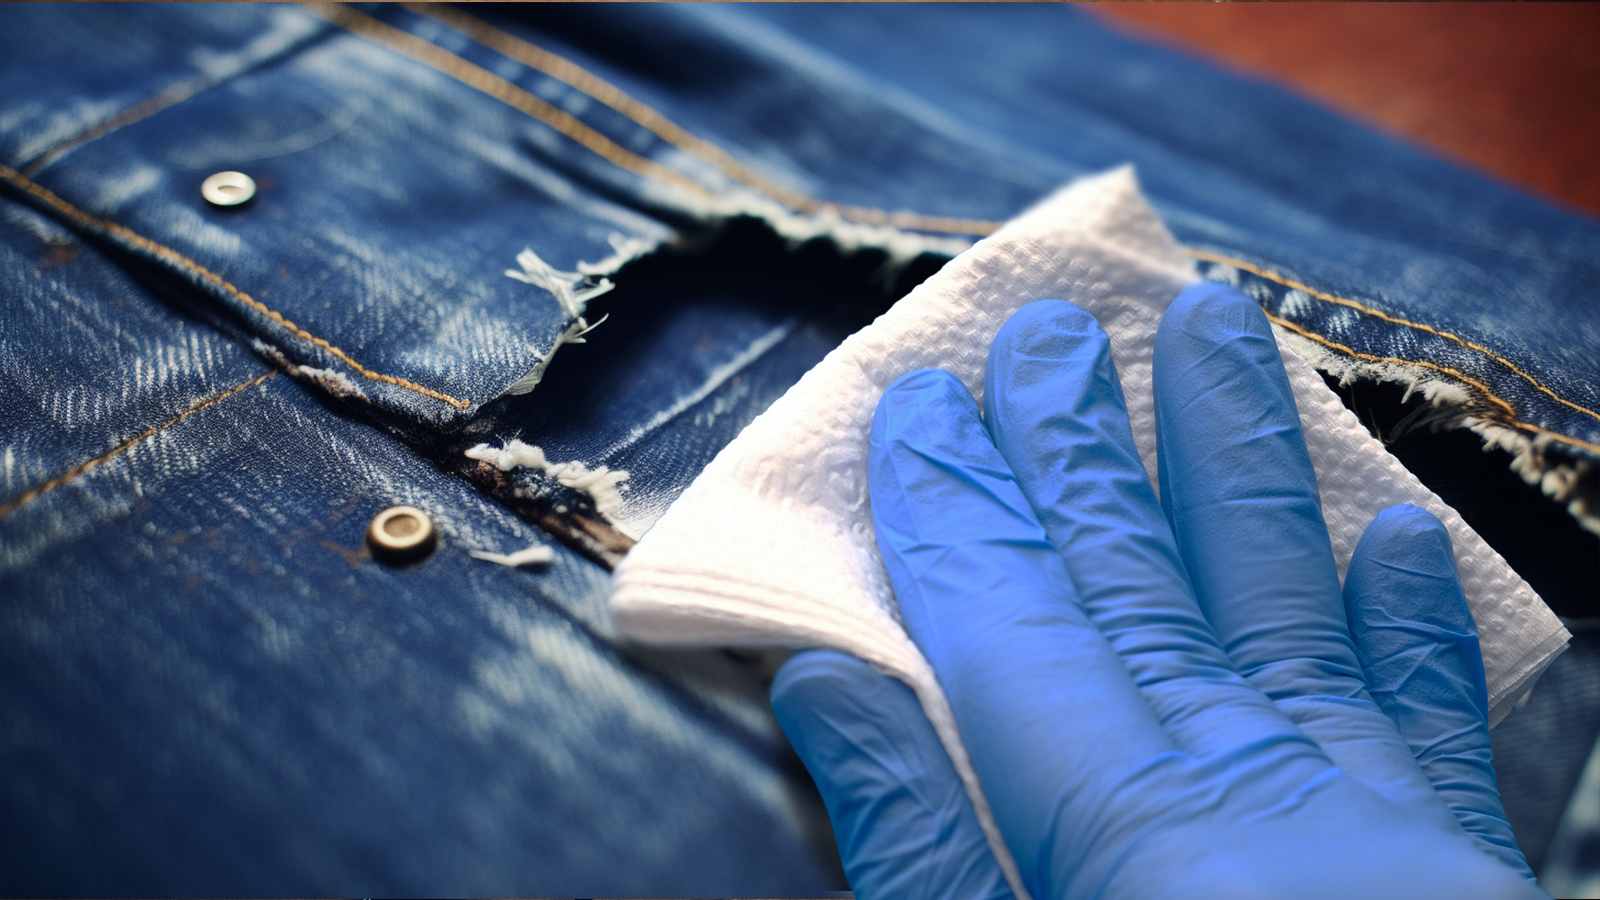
(603, 91)
(1396, 320)
(1456, 374)
(581, 79)
(122, 232)
(90, 465)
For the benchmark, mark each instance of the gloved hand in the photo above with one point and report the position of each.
(1158, 698)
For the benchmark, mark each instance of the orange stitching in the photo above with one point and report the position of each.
(1371, 311)
(172, 96)
(90, 465)
(482, 79)
(1453, 373)
(581, 79)
(1482, 388)
(598, 88)
(106, 226)
(587, 82)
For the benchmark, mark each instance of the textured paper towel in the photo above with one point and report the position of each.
(773, 543)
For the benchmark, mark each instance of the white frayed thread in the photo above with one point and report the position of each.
(624, 250)
(729, 203)
(898, 246)
(572, 292)
(1557, 480)
(336, 383)
(534, 555)
(602, 485)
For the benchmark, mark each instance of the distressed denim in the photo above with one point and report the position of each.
(210, 685)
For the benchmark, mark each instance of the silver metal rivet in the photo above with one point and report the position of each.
(228, 188)
(401, 532)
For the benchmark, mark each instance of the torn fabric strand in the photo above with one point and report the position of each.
(572, 290)
(601, 485)
(533, 555)
(336, 383)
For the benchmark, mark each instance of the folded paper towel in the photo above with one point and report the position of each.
(773, 543)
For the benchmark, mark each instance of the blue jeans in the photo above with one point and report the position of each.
(208, 682)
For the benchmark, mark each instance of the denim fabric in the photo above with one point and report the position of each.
(879, 109)
(209, 683)
(1546, 745)
(210, 686)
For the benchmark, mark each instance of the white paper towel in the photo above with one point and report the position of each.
(773, 543)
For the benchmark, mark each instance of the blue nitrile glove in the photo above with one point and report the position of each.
(1158, 698)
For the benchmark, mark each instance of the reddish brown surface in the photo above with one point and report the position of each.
(1512, 88)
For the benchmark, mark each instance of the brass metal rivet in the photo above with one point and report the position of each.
(228, 188)
(401, 533)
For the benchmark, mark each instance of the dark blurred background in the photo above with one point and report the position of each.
(1511, 88)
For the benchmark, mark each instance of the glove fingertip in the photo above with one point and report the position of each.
(1045, 349)
(1407, 520)
(1209, 312)
(913, 402)
(1405, 560)
(1044, 319)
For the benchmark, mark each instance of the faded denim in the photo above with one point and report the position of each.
(208, 683)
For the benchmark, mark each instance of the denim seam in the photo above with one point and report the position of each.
(166, 99)
(1288, 282)
(1454, 374)
(89, 465)
(170, 96)
(608, 94)
(586, 82)
(596, 88)
(578, 78)
(483, 80)
(123, 233)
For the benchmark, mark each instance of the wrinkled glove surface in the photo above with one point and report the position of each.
(1159, 697)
